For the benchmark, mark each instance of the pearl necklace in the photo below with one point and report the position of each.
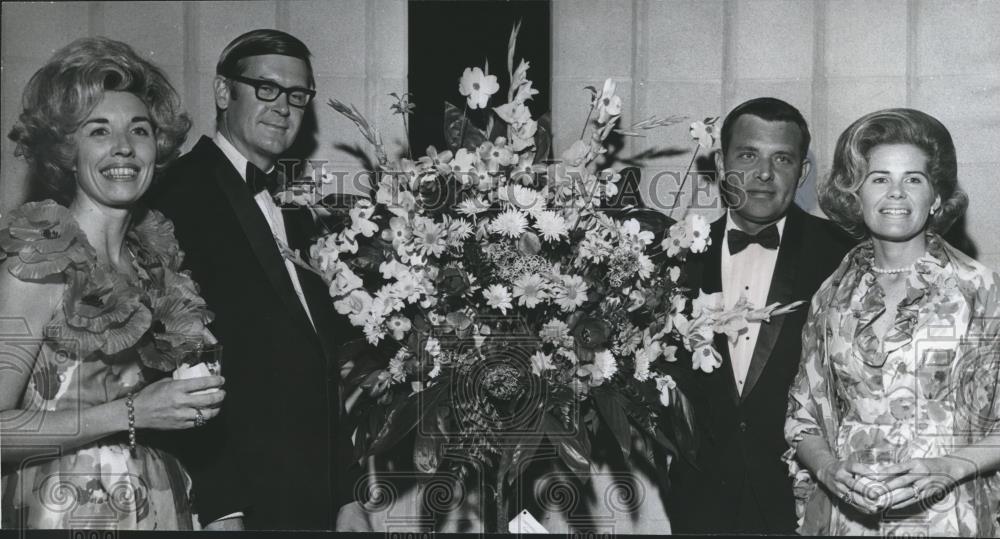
(883, 271)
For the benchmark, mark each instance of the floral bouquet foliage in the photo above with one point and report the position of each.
(508, 302)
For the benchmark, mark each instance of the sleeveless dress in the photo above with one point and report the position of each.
(931, 385)
(111, 335)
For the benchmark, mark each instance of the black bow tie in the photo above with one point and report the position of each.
(258, 180)
(767, 238)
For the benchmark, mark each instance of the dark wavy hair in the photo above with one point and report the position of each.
(770, 109)
(61, 95)
(838, 196)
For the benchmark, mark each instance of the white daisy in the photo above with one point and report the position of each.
(554, 331)
(428, 236)
(646, 266)
(459, 230)
(406, 288)
(522, 198)
(472, 206)
(551, 225)
(607, 363)
(530, 290)
(571, 292)
(643, 357)
(396, 367)
(498, 297)
(373, 333)
(510, 223)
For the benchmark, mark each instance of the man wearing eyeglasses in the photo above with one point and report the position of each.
(275, 457)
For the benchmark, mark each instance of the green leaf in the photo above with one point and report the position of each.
(645, 449)
(366, 358)
(404, 416)
(515, 459)
(521, 456)
(683, 421)
(427, 447)
(489, 128)
(511, 45)
(452, 116)
(610, 406)
(573, 448)
(473, 137)
(543, 138)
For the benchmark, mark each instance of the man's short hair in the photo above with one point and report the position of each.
(769, 109)
(258, 43)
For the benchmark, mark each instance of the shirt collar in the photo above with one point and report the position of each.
(234, 155)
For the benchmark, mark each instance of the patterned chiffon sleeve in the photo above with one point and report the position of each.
(979, 383)
(808, 402)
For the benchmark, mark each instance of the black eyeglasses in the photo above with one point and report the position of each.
(269, 91)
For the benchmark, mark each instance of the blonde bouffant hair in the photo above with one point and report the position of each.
(61, 95)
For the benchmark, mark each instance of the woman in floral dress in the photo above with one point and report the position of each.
(895, 410)
(93, 307)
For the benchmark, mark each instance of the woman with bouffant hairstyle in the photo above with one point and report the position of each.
(103, 314)
(894, 418)
(839, 195)
(63, 92)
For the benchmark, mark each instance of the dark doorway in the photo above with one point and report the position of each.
(445, 37)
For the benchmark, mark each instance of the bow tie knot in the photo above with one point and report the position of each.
(767, 238)
(258, 180)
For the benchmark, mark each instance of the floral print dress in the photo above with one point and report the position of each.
(111, 335)
(929, 387)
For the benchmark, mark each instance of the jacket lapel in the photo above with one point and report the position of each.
(301, 228)
(781, 291)
(255, 227)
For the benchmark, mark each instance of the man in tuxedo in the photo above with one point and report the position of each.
(769, 250)
(275, 457)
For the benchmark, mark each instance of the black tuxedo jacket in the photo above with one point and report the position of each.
(275, 451)
(739, 471)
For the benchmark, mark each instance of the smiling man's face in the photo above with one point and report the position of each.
(761, 169)
(262, 130)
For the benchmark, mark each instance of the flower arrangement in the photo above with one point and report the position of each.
(512, 301)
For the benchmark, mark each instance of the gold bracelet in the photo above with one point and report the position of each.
(131, 423)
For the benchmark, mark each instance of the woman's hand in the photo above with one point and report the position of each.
(854, 483)
(170, 404)
(924, 479)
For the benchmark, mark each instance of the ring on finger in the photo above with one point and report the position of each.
(199, 418)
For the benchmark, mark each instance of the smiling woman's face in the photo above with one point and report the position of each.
(897, 196)
(116, 151)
